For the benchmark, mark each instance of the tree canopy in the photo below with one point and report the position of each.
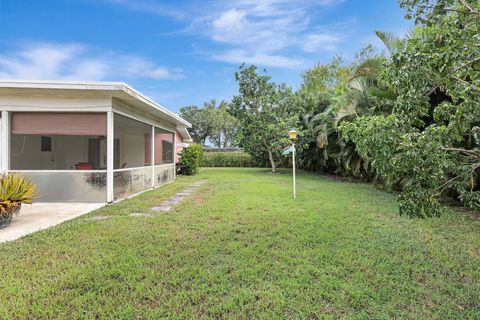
(264, 110)
(211, 123)
(430, 141)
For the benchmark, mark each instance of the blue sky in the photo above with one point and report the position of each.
(184, 52)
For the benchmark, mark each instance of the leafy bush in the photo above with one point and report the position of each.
(191, 159)
(227, 159)
(15, 190)
(430, 141)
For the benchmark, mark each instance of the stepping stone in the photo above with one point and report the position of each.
(162, 208)
(176, 198)
(167, 203)
(96, 218)
(140, 214)
(183, 194)
(175, 201)
(198, 183)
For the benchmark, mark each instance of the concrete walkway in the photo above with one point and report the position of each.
(39, 216)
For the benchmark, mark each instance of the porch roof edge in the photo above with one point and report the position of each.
(113, 87)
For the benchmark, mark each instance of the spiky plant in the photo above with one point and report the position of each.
(15, 190)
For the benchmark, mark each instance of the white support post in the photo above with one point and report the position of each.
(175, 155)
(152, 157)
(5, 160)
(110, 155)
(294, 178)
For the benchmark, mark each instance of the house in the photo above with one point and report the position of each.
(87, 141)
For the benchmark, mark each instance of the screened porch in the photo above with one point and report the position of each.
(67, 154)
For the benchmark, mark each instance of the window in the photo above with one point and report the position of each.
(163, 147)
(46, 144)
(167, 151)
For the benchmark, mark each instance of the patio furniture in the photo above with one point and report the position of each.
(84, 166)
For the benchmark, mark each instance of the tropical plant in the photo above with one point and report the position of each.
(14, 191)
(191, 159)
(350, 92)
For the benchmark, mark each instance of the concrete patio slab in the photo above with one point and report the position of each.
(40, 216)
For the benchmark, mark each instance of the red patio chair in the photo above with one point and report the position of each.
(84, 166)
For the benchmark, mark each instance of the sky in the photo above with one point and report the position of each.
(183, 53)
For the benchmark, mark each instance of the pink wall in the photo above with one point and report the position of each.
(158, 146)
(62, 123)
(178, 146)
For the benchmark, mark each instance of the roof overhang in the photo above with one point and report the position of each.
(118, 90)
(185, 134)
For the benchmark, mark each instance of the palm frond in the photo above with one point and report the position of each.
(391, 41)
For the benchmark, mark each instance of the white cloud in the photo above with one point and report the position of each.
(265, 31)
(55, 61)
(263, 59)
(135, 67)
(321, 41)
(149, 7)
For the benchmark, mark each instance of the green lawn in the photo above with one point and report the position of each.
(242, 248)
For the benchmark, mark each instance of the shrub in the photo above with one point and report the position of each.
(227, 159)
(191, 159)
(14, 191)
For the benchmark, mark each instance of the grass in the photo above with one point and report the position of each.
(241, 248)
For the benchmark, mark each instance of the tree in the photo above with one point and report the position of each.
(265, 113)
(211, 122)
(431, 139)
(225, 126)
(201, 120)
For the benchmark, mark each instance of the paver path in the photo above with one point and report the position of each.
(167, 205)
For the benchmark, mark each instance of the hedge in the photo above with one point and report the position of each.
(227, 159)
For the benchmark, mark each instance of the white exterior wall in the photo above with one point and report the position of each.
(38, 103)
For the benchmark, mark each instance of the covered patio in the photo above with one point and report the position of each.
(96, 142)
